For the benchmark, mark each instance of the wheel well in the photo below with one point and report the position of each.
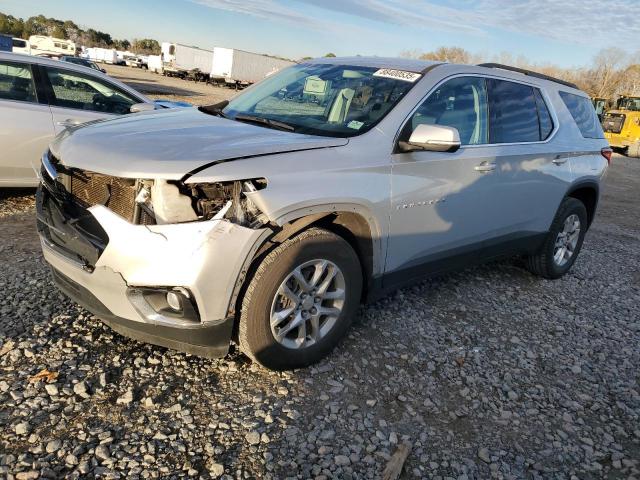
(355, 230)
(350, 226)
(588, 195)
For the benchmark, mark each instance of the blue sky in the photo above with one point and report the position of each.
(566, 33)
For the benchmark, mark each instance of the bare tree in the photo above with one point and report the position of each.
(448, 54)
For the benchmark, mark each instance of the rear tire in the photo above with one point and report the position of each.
(300, 301)
(633, 151)
(563, 242)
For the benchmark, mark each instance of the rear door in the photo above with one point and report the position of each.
(26, 122)
(534, 175)
(78, 97)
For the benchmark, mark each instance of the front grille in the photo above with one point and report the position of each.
(89, 189)
(613, 122)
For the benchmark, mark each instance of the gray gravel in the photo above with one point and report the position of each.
(488, 373)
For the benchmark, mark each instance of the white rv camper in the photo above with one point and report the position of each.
(21, 46)
(42, 45)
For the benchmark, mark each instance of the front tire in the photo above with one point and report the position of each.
(563, 242)
(300, 301)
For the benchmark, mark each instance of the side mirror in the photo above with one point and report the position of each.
(103, 70)
(434, 138)
(142, 107)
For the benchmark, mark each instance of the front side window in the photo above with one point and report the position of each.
(513, 113)
(324, 99)
(460, 103)
(584, 114)
(83, 92)
(16, 82)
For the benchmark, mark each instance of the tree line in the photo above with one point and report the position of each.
(612, 71)
(68, 30)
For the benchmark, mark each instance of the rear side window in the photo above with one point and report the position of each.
(16, 82)
(513, 113)
(584, 115)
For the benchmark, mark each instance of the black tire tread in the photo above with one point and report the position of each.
(258, 277)
(541, 263)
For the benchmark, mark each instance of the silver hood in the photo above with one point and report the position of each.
(170, 144)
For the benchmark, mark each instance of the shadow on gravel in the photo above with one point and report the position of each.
(8, 193)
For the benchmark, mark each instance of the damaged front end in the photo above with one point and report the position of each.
(162, 202)
(152, 255)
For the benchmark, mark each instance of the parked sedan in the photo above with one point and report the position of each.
(40, 97)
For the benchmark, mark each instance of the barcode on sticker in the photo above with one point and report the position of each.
(397, 74)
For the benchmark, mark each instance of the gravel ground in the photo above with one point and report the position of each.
(488, 373)
(159, 87)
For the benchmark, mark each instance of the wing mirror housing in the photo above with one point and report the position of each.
(142, 107)
(434, 138)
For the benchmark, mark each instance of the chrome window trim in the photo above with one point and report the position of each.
(543, 92)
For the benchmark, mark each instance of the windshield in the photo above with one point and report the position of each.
(632, 104)
(323, 99)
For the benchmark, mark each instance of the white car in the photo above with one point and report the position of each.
(40, 97)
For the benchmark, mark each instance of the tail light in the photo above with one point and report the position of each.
(606, 153)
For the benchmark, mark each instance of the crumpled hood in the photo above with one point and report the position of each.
(170, 144)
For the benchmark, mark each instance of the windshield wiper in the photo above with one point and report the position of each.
(215, 109)
(269, 122)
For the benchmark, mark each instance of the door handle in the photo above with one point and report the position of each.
(69, 123)
(485, 167)
(560, 160)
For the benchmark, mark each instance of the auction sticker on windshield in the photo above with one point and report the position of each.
(397, 74)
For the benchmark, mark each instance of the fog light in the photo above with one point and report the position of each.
(174, 301)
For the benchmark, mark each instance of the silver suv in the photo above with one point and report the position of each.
(269, 219)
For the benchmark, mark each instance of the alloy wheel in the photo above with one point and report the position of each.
(307, 304)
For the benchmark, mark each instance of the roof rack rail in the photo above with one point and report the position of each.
(529, 73)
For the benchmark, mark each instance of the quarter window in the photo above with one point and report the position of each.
(16, 82)
(83, 92)
(460, 103)
(584, 115)
(544, 117)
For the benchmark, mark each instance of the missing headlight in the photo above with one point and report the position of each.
(209, 199)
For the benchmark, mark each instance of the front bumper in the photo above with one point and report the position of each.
(211, 340)
(100, 265)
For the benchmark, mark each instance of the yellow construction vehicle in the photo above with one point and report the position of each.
(622, 125)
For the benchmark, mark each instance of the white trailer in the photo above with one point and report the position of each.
(103, 55)
(238, 67)
(179, 60)
(155, 64)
